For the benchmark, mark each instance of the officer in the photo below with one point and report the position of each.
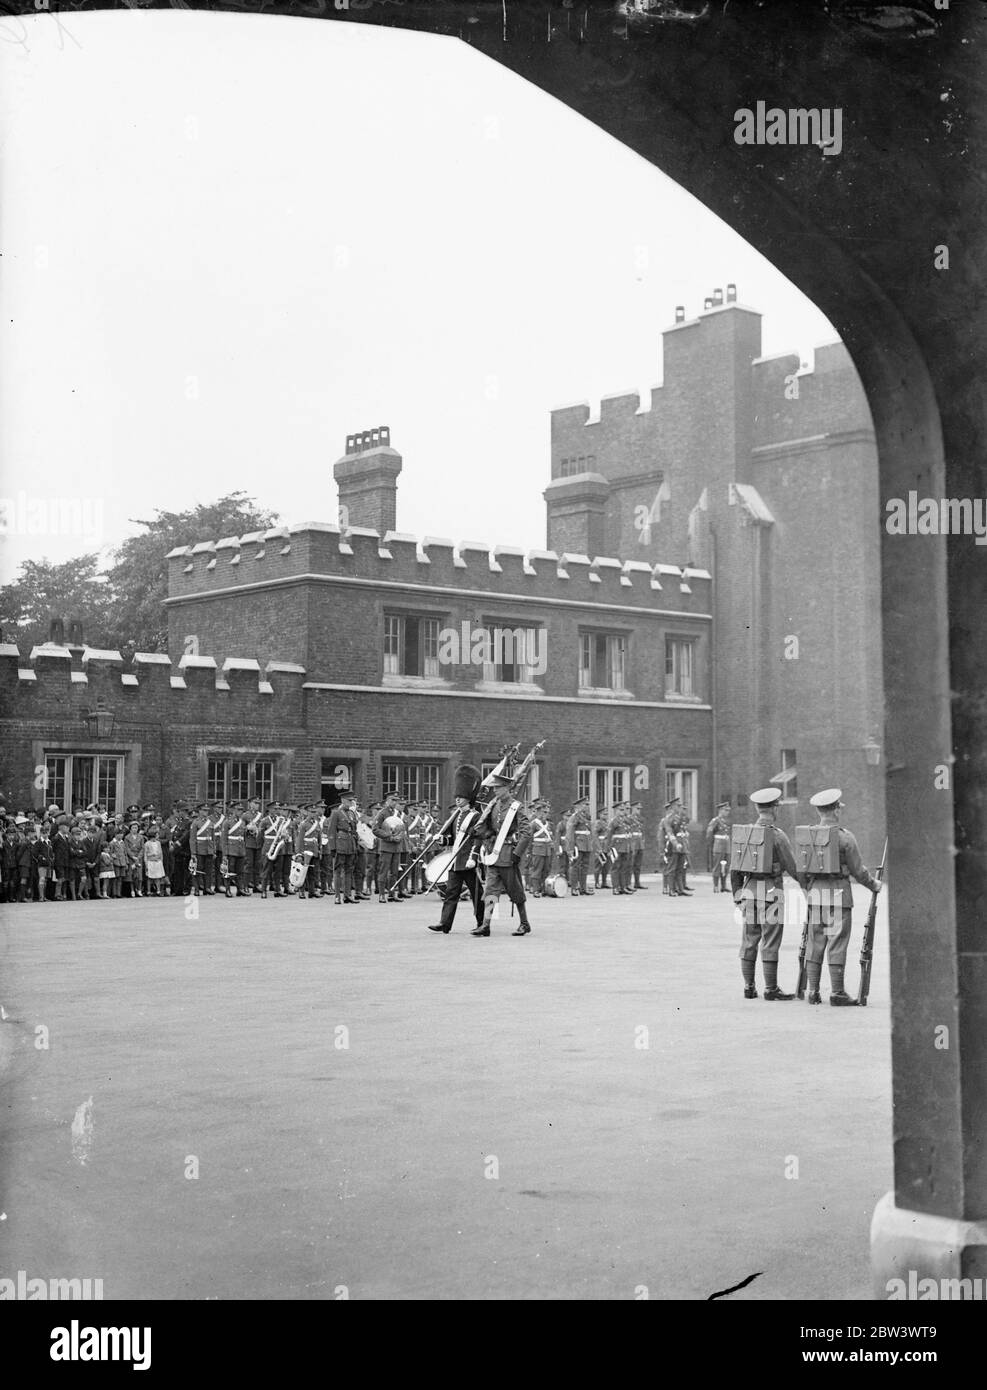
(580, 843)
(618, 842)
(718, 842)
(830, 896)
(637, 847)
(670, 844)
(342, 847)
(762, 855)
(506, 834)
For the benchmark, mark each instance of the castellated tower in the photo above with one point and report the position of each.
(367, 478)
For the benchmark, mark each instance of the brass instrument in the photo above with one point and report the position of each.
(278, 828)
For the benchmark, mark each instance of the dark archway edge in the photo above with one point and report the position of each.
(857, 233)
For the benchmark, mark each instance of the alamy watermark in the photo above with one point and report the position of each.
(799, 125)
(526, 647)
(937, 516)
(24, 515)
(24, 1288)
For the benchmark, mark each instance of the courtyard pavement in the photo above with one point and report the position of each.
(290, 1099)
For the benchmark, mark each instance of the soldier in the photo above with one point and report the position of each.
(541, 847)
(718, 845)
(369, 886)
(618, 841)
(601, 867)
(682, 830)
(253, 840)
(830, 894)
(670, 847)
(308, 846)
(637, 848)
(388, 827)
(462, 873)
(342, 846)
(761, 856)
(506, 833)
(274, 849)
(580, 842)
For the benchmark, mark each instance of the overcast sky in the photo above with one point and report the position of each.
(231, 240)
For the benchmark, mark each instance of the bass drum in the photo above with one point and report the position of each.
(556, 886)
(365, 835)
(437, 868)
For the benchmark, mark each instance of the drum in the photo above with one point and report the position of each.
(437, 867)
(297, 872)
(556, 886)
(365, 835)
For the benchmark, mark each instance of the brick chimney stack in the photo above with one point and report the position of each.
(367, 478)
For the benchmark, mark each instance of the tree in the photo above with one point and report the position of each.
(42, 590)
(138, 579)
(121, 608)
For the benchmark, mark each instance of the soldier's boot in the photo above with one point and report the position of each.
(771, 990)
(747, 970)
(813, 974)
(483, 928)
(838, 996)
(524, 926)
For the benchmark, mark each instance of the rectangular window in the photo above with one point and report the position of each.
(683, 782)
(602, 661)
(411, 646)
(680, 655)
(514, 653)
(413, 781)
(84, 779)
(606, 787)
(239, 779)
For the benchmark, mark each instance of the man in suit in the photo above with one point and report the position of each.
(506, 834)
(463, 872)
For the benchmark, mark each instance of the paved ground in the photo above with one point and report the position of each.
(618, 1164)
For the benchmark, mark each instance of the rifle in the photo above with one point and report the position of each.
(867, 949)
(803, 948)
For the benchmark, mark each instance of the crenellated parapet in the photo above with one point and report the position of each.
(319, 551)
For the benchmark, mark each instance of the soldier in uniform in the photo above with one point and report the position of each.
(670, 847)
(308, 847)
(682, 830)
(253, 841)
(580, 843)
(342, 846)
(273, 848)
(370, 885)
(232, 836)
(760, 895)
(541, 846)
(178, 836)
(463, 872)
(389, 830)
(637, 848)
(602, 859)
(830, 898)
(506, 832)
(718, 844)
(618, 841)
(202, 841)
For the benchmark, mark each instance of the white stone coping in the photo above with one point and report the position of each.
(437, 543)
(178, 683)
(265, 688)
(151, 659)
(241, 663)
(516, 550)
(203, 546)
(25, 674)
(178, 551)
(566, 560)
(399, 538)
(668, 569)
(198, 663)
(370, 532)
(251, 538)
(9, 649)
(329, 528)
(96, 654)
(79, 678)
(286, 668)
(697, 574)
(550, 557)
(128, 678)
(228, 543)
(50, 649)
(603, 562)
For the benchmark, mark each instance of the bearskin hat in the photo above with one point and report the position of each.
(467, 783)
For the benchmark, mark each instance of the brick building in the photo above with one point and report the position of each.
(330, 653)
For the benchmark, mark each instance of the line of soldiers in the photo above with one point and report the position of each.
(761, 855)
(577, 845)
(673, 840)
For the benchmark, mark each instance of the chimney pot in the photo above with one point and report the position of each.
(731, 294)
(680, 313)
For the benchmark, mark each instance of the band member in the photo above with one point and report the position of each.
(308, 847)
(202, 837)
(718, 843)
(342, 847)
(253, 843)
(541, 847)
(618, 841)
(761, 855)
(682, 829)
(672, 849)
(177, 829)
(275, 827)
(637, 847)
(232, 841)
(368, 885)
(830, 895)
(506, 832)
(388, 827)
(580, 843)
(602, 865)
(463, 873)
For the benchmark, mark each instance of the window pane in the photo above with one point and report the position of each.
(215, 780)
(83, 768)
(392, 645)
(389, 778)
(430, 782)
(55, 781)
(239, 780)
(108, 782)
(585, 660)
(583, 776)
(264, 780)
(430, 646)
